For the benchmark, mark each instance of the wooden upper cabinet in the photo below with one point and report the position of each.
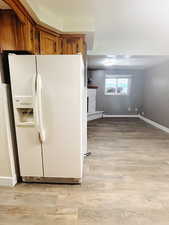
(18, 31)
(14, 34)
(49, 44)
(29, 36)
(26, 36)
(62, 44)
(8, 30)
(74, 44)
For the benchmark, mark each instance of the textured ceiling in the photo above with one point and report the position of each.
(68, 7)
(124, 61)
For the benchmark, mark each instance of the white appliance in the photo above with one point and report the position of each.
(49, 100)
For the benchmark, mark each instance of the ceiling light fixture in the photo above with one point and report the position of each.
(110, 62)
(127, 56)
(122, 56)
(111, 56)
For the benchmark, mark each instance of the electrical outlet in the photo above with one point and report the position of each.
(129, 109)
(142, 113)
(136, 109)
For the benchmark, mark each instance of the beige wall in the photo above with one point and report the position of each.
(7, 161)
(5, 168)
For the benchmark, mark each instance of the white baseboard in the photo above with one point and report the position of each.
(166, 129)
(95, 115)
(120, 116)
(8, 181)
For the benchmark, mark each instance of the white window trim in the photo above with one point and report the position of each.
(107, 76)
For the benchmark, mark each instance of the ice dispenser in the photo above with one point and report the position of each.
(24, 111)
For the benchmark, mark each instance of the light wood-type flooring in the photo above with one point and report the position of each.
(126, 182)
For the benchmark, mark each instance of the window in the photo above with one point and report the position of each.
(116, 85)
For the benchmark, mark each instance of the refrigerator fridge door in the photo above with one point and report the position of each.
(23, 81)
(62, 114)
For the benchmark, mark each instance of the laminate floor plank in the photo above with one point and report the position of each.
(125, 182)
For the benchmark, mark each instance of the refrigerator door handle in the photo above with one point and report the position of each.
(34, 101)
(39, 108)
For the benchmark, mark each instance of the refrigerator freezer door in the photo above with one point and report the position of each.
(62, 100)
(22, 72)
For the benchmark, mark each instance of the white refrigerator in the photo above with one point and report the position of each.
(49, 100)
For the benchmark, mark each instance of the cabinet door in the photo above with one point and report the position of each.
(49, 44)
(29, 36)
(73, 45)
(15, 35)
(8, 30)
(25, 36)
(70, 46)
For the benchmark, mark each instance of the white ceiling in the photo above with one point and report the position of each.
(3, 5)
(119, 26)
(124, 61)
(69, 8)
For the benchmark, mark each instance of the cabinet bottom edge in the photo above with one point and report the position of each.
(52, 180)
